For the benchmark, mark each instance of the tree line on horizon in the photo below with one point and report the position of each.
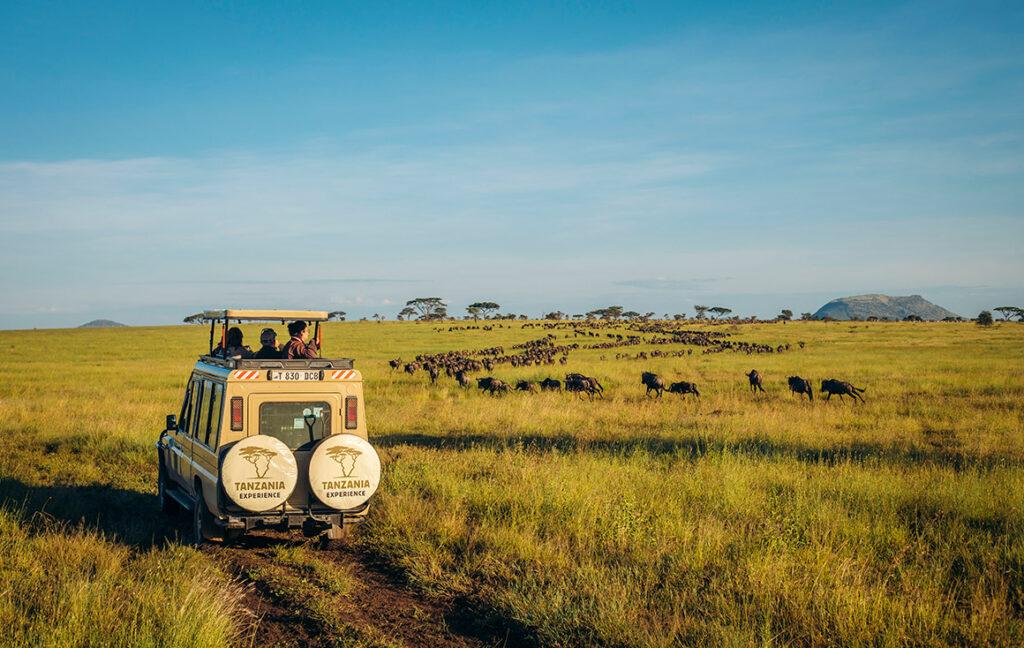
(427, 309)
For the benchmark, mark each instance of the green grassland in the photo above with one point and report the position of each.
(733, 520)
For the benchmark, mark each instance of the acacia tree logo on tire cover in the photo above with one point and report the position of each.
(259, 458)
(346, 458)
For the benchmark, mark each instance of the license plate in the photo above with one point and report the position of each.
(284, 374)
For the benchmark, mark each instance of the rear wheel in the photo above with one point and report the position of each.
(202, 522)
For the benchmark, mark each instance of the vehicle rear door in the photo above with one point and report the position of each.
(299, 421)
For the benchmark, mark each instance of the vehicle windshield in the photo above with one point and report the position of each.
(298, 424)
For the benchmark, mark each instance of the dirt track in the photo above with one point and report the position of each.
(299, 602)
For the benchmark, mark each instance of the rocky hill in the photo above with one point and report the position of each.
(882, 307)
(101, 323)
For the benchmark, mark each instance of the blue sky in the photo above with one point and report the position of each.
(157, 160)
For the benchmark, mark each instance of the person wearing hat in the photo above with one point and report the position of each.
(268, 350)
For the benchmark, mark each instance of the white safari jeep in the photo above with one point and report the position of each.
(268, 443)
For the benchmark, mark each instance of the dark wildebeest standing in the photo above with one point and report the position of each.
(653, 382)
(462, 379)
(411, 368)
(526, 386)
(550, 384)
(580, 384)
(492, 385)
(833, 386)
(682, 388)
(755, 381)
(434, 373)
(799, 386)
(395, 364)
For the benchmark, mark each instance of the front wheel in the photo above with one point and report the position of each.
(168, 504)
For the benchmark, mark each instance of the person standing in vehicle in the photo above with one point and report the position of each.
(269, 349)
(235, 348)
(298, 347)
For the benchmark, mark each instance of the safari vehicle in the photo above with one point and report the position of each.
(268, 443)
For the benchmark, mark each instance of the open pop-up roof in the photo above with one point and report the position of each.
(237, 315)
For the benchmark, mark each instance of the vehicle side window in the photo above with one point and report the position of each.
(186, 407)
(212, 432)
(201, 400)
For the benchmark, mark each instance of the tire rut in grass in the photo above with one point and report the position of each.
(307, 596)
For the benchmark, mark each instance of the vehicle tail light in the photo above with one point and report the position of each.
(351, 412)
(236, 414)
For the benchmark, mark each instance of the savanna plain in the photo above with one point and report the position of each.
(734, 519)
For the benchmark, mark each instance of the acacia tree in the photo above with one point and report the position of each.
(786, 314)
(336, 316)
(196, 318)
(701, 311)
(1008, 311)
(720, 311)
(429, 308)
(554, 315)
(406, 313)
(984, 318)
(609, 313)
(485, 309)
(679, 316)
(806, 316)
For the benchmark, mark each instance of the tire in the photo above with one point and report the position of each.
(202, 522)
(168, 504)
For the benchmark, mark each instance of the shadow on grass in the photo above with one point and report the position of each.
(125, 516)
(695, 447)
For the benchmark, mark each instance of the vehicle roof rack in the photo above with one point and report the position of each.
(250, 315)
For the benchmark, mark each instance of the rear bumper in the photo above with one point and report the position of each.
(310, 521)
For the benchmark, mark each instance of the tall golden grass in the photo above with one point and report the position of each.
(737, 519)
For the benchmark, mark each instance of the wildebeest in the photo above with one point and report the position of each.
(842, 388)
(799, 386)
(755, 381)
(462, 379)
(682, 388)
(526, 386)
(411, 368)
(434, 373)
(492, 385)
(550, 384)
(653, 382)
(580, 384)
(396, 363)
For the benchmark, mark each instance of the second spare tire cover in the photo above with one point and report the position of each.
(344, 471)
(259, 473)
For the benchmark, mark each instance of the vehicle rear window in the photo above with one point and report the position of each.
(297, 425)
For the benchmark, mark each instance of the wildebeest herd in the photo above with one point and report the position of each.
(545, 351)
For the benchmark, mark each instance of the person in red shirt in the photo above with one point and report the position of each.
(299, 346)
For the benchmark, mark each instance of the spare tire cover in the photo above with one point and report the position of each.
(344, 471)
(259, 473)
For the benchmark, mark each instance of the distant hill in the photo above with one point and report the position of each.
(101, 323)
(882, 307)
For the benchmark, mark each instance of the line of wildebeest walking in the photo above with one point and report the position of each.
(546, 351)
